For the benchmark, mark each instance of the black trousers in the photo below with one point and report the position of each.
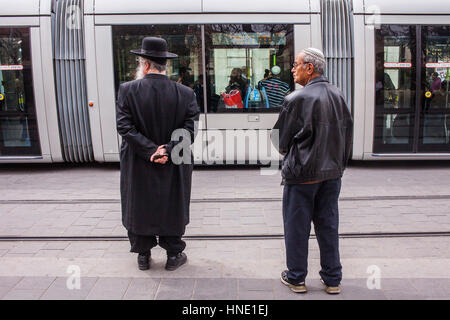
(143, 244)
(303, 203)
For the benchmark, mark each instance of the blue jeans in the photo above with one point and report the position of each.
(303, 203)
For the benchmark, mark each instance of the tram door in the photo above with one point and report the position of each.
(412, 107)
(18, 128)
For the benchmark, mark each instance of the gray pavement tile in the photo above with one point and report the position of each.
(215, 289)
(356, 289)
(397, 284)
(432, 287)
(282, 292)
(34, 283)
(257, 289)
(60, 291)
(27, 248)
(109, 289)
(175, 289)
(48, 253)
(94, 253)
(19, 294)
(7, 283)
(56, 245)
(142, 289)
(403, 295)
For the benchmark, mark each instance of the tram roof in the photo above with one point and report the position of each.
(397, 7)
(200, 6)
(401, 7)
(25, 7)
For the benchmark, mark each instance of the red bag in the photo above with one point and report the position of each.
(232, 100)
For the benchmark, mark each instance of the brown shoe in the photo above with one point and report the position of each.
(331, 290)
(296, 287)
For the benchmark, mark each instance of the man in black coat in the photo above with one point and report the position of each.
(315, 136)
(153, 112)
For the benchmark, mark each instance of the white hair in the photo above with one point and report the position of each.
(153, 65)
(315, 57)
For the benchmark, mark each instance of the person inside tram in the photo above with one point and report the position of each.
(440, 98)
(275, 89)
(198, 90)
(185, 77)
(267, 74)
(237, 82)
(434, 123)
(384, 87)
(435, 82)
(244, 71)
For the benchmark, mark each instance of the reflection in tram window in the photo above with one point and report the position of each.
(396, 128)
(184, 40)
(18, 130)
(436, 48)
(395, 67)
(248, 67)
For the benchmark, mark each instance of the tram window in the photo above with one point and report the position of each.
(248, 67)
(18, 129)
(395, 90)
(395, 67)
(184, 40)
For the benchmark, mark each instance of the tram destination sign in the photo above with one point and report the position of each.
(249, 39)
(11, 67)
(397, 65)
(437, 65)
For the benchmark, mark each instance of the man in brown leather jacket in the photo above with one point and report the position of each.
(315, 135)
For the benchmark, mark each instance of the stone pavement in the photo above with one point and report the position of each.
(69, 200)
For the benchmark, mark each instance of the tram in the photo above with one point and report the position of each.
(61, 63)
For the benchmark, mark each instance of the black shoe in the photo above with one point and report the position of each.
(143, 260)
(296, 287)
(173, 262)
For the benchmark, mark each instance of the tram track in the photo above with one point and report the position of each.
(349, 235)
(222, 200)
(367, 235)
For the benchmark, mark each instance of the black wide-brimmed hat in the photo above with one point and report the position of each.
(153, 47)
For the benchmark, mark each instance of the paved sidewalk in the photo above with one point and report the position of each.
(101, 181)
(409, 268)
(71, 185)
(68, 200)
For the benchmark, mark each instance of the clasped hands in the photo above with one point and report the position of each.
(160, 151)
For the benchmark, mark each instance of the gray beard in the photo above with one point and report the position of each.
(139, 72)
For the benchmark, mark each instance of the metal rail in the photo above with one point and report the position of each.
(225, 200)
(236, 237)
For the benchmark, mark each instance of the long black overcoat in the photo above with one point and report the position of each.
(155, 197)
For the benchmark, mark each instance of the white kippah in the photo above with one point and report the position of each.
(316, 53)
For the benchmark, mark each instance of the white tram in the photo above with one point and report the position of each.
(62, 61)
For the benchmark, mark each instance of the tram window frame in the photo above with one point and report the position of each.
(256, 33)
(27, 113)
(165, 31)
(145, 30)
